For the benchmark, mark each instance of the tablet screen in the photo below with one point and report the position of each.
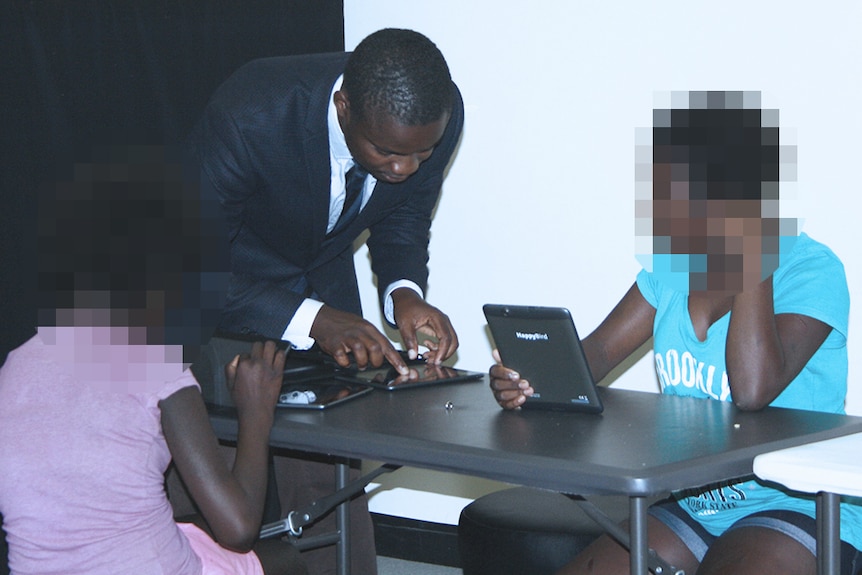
(420, 374)
(319, 394)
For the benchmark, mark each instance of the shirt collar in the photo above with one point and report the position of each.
(337, 145)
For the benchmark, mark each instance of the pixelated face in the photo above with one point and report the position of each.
(727, 236)
(713, 208)
(132, 249)
(388, 150)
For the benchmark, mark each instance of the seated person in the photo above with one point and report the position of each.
(97, 403)
(742, 308)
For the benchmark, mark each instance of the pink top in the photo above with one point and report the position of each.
(82, 460)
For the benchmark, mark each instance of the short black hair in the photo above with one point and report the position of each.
(399, 73)
(730, 151)
(129, 223)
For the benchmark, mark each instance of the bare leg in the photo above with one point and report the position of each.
(277, 557)
(607, 557)
(757, 551)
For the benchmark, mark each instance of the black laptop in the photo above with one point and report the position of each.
(542, 344)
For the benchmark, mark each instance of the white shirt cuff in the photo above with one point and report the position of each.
(389, 305)
(299, 328)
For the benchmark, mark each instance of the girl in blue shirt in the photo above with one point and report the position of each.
(741, 309)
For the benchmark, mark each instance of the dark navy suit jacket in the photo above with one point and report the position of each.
(263, 146)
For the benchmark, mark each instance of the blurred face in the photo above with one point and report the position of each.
(142, 262)
(391, 152)
(725, 238)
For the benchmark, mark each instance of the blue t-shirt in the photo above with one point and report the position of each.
(810, 281)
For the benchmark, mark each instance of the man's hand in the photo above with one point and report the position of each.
(414, 315)
(339, 333)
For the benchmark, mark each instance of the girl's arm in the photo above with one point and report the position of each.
(627, 327)
(230, 500)
(765, 352)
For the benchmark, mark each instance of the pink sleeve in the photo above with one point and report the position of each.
(171, 387)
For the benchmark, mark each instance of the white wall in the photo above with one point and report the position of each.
(538, 204)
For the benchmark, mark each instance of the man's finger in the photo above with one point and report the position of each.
(395, 359)
(411, 345)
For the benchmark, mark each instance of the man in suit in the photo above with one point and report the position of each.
(278, 144)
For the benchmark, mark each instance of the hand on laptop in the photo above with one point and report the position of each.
(509, 389)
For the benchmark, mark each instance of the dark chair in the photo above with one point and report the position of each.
(522, 531)
(4, 551)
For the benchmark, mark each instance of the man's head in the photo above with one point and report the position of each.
(394, 102)
(128, 244)
(715, 176)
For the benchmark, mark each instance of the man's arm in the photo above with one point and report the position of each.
(398, 245)
(262, 297)
(257, 306)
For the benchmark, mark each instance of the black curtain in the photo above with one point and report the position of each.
(82, 73)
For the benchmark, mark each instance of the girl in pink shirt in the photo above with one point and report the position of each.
(96, 405)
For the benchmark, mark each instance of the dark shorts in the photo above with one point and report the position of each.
(797, 526)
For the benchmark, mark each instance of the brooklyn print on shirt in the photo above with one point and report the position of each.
(675, 369)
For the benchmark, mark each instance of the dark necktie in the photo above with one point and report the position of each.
(353, 184)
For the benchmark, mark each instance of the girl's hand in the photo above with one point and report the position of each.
(254, 379)
(509, 389)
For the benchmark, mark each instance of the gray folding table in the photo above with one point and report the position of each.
(644, 444)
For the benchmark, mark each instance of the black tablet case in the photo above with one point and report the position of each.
(542, 344)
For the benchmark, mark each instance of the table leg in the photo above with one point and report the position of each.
(828, 533)
(342, 522)
(638, 549)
